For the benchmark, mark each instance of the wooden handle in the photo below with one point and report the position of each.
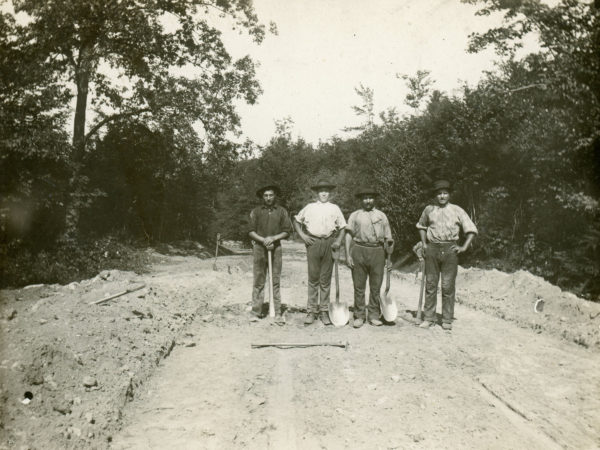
(337, 281)
(387, 280)
(420, 307)
(271, 302)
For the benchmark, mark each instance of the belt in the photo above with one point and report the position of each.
(442, 244)
(368, 244)
(321, 237)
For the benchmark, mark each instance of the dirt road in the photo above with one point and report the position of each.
(486, 384)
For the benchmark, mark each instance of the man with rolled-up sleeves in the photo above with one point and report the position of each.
(439, 228)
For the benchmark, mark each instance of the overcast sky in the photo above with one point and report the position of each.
(326, 48)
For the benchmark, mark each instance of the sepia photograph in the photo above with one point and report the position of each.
(299, 224)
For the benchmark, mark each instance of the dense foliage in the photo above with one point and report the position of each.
(522, 147)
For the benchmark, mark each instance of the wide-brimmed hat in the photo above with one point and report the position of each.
(323, 184)
(365, 190)
(441, 184)
(273, 187)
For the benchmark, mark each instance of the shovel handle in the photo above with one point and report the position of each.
(388, 270)
(420, 306)
(271, 302)
(337, 280)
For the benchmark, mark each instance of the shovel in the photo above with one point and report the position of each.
(338, 312)
(271, 302)
(388, 305)
(420, 306)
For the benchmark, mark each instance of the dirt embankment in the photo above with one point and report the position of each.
(80, 363)
(68, 368)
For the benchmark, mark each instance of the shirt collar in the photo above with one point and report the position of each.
(270, 208)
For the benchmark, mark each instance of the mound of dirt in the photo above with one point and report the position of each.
(68, 366)
(514, 297)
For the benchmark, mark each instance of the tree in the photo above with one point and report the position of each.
(123, 57)
(418, 88)
(365, 110)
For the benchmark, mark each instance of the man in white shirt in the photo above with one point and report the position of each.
(320, 225)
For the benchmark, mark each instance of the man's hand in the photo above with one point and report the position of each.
(349, 261)
(335, 253)
(308, 240)
(335, 246)
(459, 249)
(388, 265)
(268, 241)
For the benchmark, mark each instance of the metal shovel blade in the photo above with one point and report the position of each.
(388, 308)
(338, 312)
(388, 305)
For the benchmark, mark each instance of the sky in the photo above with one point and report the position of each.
(326, 48)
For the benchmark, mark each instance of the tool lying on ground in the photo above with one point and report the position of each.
(271, 302)
(338, 312)
(285, 345)
(217, 251)
(131, 289)
(388, 305)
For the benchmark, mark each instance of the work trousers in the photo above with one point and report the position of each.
(369, 262)
(260, 270)
(440, 259)
(320, 266)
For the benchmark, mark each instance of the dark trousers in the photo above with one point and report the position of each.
(260, 270)
(320, 267)
(440, 260)
(369, 262)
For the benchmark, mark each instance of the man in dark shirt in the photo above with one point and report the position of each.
(269, 223)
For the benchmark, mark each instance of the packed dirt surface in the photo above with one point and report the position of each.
(98, 376)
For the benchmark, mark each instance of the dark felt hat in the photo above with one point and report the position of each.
(323, 184)
(273, 187)
(365, 190)
(441, 184)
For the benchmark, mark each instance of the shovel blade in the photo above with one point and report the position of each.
(338, 314)
(388, 308)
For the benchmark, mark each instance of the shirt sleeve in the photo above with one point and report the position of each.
(423, 222)
(387, 231)
(465, 221)
(252, 223)
(340, 221)
(285, 225)
(300, 217)
(351, 223)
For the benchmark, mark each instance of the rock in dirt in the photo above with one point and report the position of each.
(89, 381)
(62, 406)
(11, 314)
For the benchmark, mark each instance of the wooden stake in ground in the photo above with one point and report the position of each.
(217, 251)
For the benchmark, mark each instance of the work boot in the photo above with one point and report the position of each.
(279, 319)
(447, 326)
(310, 318)
(253, 317)
(358, 323)
(324, 316)
(375, 322)
(426, 324)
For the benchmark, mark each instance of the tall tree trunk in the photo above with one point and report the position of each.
(82, 79)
